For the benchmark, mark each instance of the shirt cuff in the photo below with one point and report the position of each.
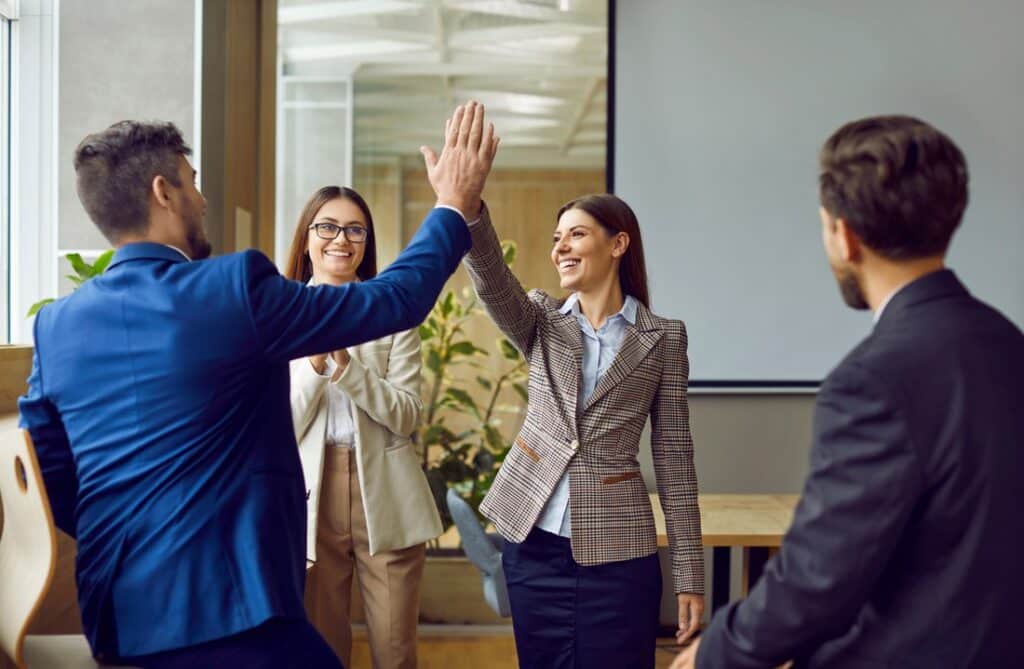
(448, 206)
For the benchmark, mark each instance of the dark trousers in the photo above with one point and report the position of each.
(566, 615)
(281, 643)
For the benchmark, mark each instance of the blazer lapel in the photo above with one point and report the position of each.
(638, 341)
(568, 330)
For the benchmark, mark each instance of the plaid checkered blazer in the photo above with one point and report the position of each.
(599, 441)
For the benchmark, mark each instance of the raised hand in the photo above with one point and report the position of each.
(458, 175)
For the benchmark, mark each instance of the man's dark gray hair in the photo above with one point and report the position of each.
(116, 168)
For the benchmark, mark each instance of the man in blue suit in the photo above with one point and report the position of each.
(158, 404)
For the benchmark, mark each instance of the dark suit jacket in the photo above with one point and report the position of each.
(159, 408)
(907, 544)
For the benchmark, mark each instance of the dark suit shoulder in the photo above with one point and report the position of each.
(912, 344)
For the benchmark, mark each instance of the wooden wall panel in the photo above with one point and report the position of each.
(239, 103)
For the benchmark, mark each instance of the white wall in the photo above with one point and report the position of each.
(721, 109)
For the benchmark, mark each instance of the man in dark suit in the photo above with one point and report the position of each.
(906, 545)
(159, 406)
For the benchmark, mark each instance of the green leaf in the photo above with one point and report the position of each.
(493, 437)
(508, 251)
(507, 349)
(484, 383)
(83, 268)
(434, 361)
(34, 309)
(438, 434)
(460, 396)
(77, 280)
(101, 264)
(426, 332)
(521, 390)
(447, 304)
(465, 348)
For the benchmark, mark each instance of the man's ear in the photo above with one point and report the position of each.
(851, 248)
(621, 245)
(160, 188)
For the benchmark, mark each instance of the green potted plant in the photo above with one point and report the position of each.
(467, 457)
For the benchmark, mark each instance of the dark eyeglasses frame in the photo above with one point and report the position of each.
(323, 231)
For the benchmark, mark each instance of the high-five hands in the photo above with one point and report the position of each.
(459, 173)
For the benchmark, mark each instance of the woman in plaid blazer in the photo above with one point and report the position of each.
(581, 557)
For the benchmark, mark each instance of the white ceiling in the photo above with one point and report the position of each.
(538, 66)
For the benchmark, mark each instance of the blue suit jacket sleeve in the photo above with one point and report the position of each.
(864, 481)
(293, 320)
(44, 424)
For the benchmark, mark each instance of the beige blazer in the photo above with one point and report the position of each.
(383, 381)
(598, 441)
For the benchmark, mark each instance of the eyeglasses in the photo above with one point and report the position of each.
(353, 233)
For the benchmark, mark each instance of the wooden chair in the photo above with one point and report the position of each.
(28, 552)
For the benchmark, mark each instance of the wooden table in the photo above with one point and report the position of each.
(753, 523)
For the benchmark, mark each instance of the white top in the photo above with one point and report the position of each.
(341, 429)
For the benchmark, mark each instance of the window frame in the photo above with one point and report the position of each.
(8, 13)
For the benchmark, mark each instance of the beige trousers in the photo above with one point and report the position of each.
(389, 582)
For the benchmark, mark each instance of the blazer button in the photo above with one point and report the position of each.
(574, 445)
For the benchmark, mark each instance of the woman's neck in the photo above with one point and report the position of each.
(599, 304)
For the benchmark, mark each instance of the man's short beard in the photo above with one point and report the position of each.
(849, 288)
(198, 245)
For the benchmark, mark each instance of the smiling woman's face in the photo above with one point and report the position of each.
(584, 254)
(336, 260)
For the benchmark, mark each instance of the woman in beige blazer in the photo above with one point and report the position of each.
(369, 505)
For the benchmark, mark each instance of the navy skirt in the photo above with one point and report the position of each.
(566, 615)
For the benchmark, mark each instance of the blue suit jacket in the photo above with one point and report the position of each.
(159, 407)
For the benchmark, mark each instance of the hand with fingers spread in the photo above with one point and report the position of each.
(459, 173)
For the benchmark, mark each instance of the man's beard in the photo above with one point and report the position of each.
(198, 245)
(849, 288)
